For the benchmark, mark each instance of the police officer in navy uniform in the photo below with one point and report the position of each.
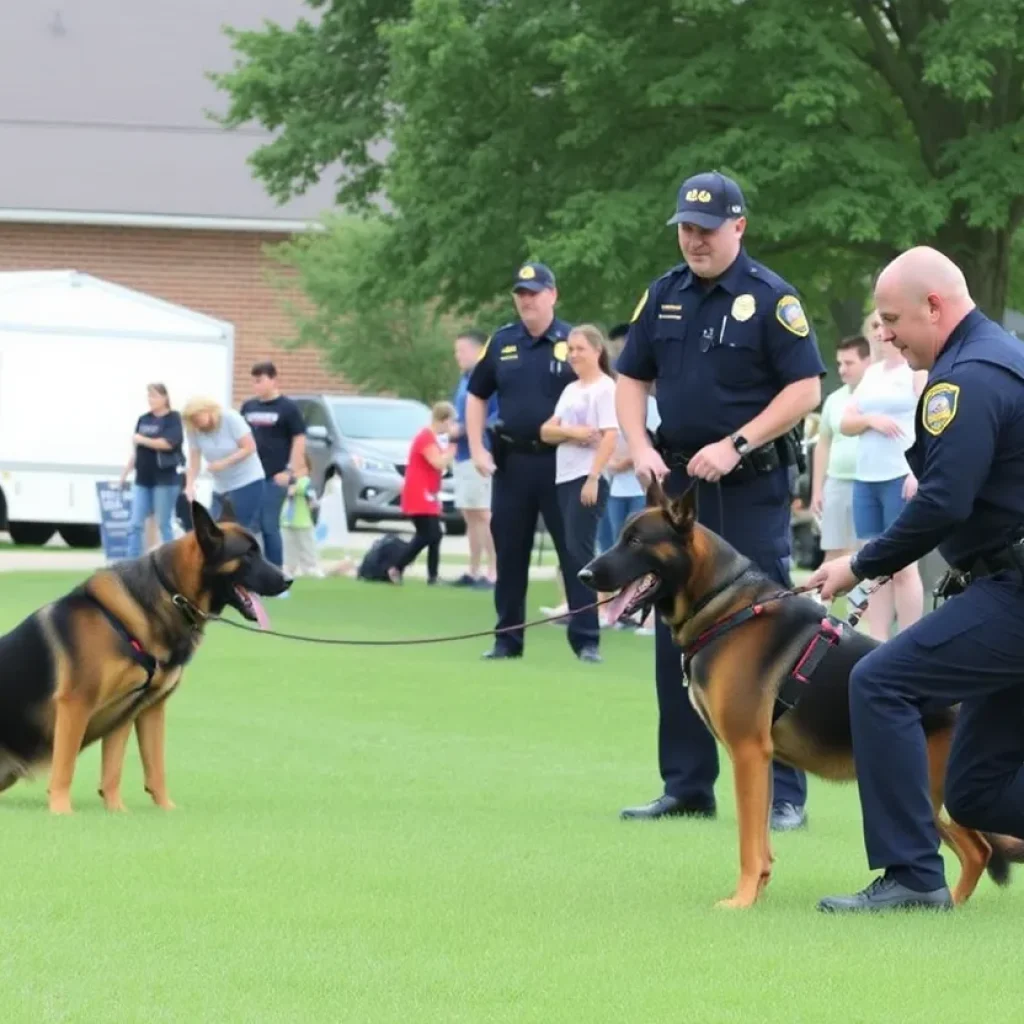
(525, 363)
(968, 456)
(736, 367)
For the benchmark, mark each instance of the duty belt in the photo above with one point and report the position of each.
(956, 581)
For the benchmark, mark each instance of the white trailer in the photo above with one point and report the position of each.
(76, 354)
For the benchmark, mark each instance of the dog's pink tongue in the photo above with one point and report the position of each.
(620, 602)
(262, 619)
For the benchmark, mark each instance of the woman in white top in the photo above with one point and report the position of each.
(584, 427)
(223, 438)
(881, 415)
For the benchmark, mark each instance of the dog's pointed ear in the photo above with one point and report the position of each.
(655, 494)
(208, 533)
(682, 511)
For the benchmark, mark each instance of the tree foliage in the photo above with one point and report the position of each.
(522, 129)
(380, 340)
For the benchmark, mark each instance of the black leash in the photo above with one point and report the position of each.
(402, 643)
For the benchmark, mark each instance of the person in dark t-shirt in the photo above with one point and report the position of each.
(156, 459)
(280, 433)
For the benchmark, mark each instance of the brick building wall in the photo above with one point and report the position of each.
(220, 273)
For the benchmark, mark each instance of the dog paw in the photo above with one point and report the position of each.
(162, 800)
(60, 807)
(736, 903)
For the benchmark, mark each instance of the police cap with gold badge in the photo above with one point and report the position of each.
(708, 200)
(533, 277)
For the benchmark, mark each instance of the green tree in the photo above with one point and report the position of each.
(380, 342)
(522, 129)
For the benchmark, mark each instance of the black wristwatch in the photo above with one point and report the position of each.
(740, 443)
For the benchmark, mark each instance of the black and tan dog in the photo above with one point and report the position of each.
(107, 655)
(770, 678)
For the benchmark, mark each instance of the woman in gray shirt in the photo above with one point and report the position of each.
(224, 440)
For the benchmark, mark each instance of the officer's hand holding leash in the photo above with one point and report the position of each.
(714, 461)
(833, 578)
(648, 465)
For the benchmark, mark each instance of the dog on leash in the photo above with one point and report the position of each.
(106, 656)
(768, 674)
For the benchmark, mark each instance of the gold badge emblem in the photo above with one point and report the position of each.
(743, 307)
(790, 314)
(527, 274)
(939, 407)
(561, 351)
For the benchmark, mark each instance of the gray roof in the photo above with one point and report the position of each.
(104, 111)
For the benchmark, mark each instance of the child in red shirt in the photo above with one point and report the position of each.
(429, 455)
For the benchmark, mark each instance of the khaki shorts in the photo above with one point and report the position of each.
(837, 532)
(471, 489)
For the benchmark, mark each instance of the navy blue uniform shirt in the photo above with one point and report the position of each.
(719, 354)
(968, 455)
(528, 374)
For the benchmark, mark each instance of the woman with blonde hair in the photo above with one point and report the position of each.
(223, 438)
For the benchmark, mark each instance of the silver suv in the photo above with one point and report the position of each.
(366, 441)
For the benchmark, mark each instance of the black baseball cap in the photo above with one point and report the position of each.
(708, 200)
(533, 277)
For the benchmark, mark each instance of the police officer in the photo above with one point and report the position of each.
(525, 364)
(736, 367)
(968, 456)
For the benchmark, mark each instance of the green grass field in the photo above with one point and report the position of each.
(375, 835)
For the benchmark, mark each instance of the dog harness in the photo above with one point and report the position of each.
(139, 654)
(792, 687)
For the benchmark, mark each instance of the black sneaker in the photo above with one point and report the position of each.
(886, 893)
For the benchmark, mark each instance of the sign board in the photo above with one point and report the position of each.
(115, 520)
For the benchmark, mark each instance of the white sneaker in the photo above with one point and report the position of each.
(644, 631)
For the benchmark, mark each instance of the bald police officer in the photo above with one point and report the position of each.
(526, 364)
(968, 456)
(737, 367)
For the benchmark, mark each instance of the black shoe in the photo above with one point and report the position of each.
(787, 817)
(669, 807)
(589, 654)
(887, 894)
(496, 653)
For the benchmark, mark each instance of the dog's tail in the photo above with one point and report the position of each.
(1006, 851)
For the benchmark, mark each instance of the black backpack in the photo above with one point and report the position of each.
(382, 554)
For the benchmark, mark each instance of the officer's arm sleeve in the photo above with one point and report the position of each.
(637, 357)
(792, 344)
(957, 462)
(483, 381)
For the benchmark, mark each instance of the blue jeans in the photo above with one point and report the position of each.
(246, 502)
(618, 510)
(876, 505)
(270, 521)
(147, 501)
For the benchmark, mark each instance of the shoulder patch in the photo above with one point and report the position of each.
(640, 306)
(939, 407)
(790, 314)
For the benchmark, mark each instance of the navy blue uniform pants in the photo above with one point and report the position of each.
(524, 486)
(754, 518)
(972, 650)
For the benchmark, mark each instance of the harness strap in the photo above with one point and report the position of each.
(142, 657)
(791, 690)
(718, 629)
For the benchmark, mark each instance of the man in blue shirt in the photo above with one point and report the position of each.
(736, 366)
(968, 457)
(472, 488)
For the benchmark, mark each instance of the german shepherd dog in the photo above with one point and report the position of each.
(107, 655)
(741, 643)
